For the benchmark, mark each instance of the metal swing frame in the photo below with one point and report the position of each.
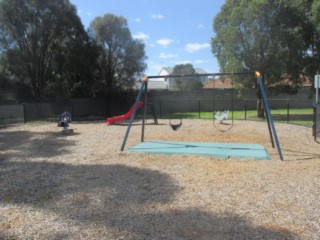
(260, 83)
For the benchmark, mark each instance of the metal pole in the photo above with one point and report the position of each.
(133, 115)
(144, 109)
(245, 111)
(316, 85)
(269, 125)
(200, 75)
(24, 112)
(288, 111)
(267, 109)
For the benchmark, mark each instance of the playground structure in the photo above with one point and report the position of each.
(221, 116)
(175, 126)
(127, 115)
(260, 84)
(124, 116)
(64, 120)
(223, 119)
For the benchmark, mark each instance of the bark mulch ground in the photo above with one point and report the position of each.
(80, 186)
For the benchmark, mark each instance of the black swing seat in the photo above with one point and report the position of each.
(175, 127)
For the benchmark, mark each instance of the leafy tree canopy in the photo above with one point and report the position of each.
(123, 58)
(32, 33)
(277, 37)
(186, 83)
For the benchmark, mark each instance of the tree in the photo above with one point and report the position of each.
(186, 83)
(32, 32)
(123, 57)
(264, 35)
(77, 67)
(309, 13)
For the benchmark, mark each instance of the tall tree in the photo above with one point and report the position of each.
(265, 35)
(123, 57)
(262, 35)
(77, 65)
(309, 12)
(186, 83)
(32, 33)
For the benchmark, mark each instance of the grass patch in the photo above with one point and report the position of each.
(302, 116)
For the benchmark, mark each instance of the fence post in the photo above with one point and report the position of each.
(160, 110)
(199, 104)
(245, 110)
(314, 121)
(288, 110)
(71, 110)
(24, 112)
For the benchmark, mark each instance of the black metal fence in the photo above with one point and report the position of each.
(316, 122)
(84, 109)
(200, 106)
(80, 109)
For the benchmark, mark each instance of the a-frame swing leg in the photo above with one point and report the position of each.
(133, 114)
(269, 125)
(144, 109)
(268, 112)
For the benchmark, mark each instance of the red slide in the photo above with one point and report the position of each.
(124, 116)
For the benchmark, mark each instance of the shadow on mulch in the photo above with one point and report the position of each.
(293, 117)
(300, 156)
(42, 144)
(132, 200)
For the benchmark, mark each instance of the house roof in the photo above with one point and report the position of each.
(217, 83)
(200, 71)
(153, 85)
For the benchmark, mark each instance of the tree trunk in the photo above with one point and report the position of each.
(260, 106)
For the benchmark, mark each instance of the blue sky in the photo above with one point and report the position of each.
(174, 31)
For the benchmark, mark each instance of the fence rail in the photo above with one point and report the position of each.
(199, 107)
(99, 109)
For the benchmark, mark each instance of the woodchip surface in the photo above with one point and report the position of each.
(80, 186)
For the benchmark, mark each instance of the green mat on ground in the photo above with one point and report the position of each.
(220, 150)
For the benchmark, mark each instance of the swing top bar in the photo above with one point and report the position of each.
(202, 75)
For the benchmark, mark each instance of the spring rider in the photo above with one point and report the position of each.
(63, 120)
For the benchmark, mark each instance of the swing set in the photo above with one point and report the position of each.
(221, 117)
(221, 120)
(175, 126)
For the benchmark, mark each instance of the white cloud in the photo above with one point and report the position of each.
(153, 68)
(199, 61)
(194, 47)
(168, 55)
(137, 20)
(165, 42)
(157, 16)
(200, 26)
(89, 13)
(141, 36)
